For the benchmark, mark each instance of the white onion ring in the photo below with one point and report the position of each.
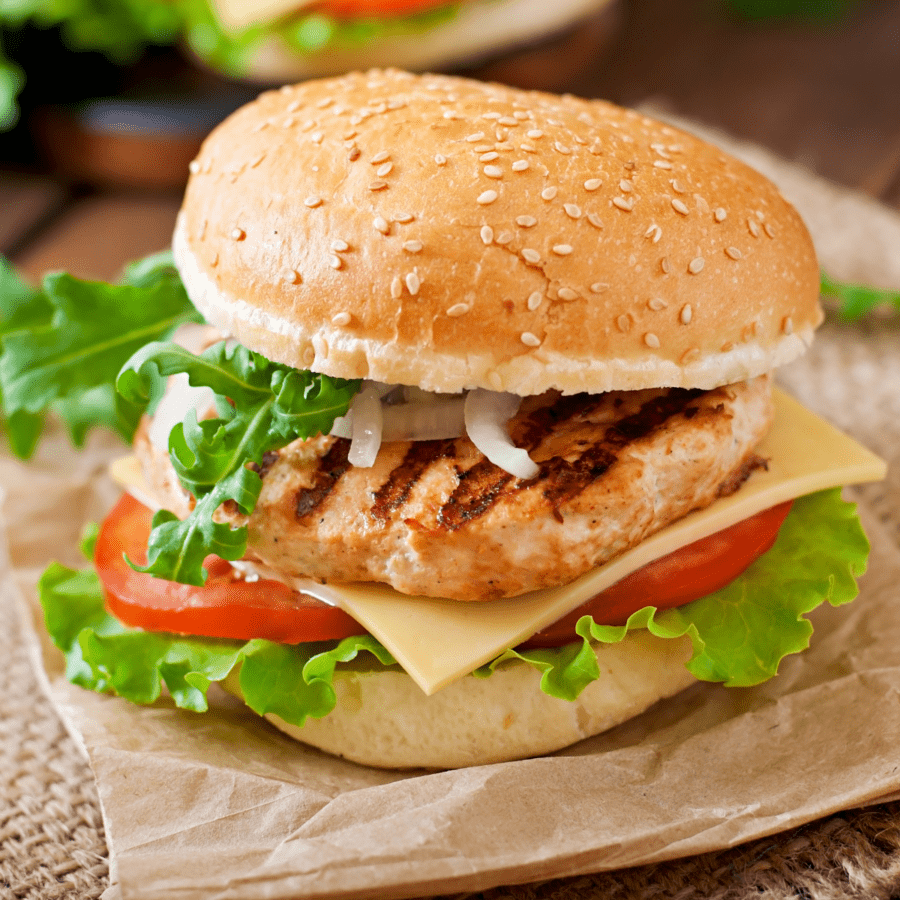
(367, 425)
(486, 415)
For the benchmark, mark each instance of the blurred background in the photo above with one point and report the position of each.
(111, 98)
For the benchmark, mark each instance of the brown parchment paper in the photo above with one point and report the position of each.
(221, 806)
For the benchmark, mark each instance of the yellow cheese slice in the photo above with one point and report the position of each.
(440, 641)
(236, 15)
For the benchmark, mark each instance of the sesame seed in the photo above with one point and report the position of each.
(566, 293)
(457, 310)
(651, 340)
(531, 256)
(313, 202)
(486, 197)
(534, 133)
(530, 340)
(686, 314)
(381, 224)
(654, 232)
(493, 171)
(680, 206)
(335, 261)
(403, 217)
(440, 159)
(325, 101)
(753, 227)
(720, 215)
(733, 252)
(534, 300)
(561, 148)
(413, 283)
(452, 115)
(526, 221)
(572, 210)
(787, 325)
(339, 246)
(598, 287)
(592, 184)
(412, 246)
(509, 121)
(487, 234)
(769, 230)
(341, 318)
(378, 185)
(288, 123)
(291, 276)
(487, 157)
(677, 186)
(696, 265)
(380, 157)
(623, 323)
(478, 136)
(562, 249)
(528, 148)
(520, 165)
(381, 171)
(548, 193)
(690, 355)
(626, 186)
(665, 265)
(520, 114)
(504, 238)
(396, 287)
(662, 164)
(657, 303)
(194, 166)
(238, 234)
(595, 220)
(625, 203)
(354, 154)
(490, 115)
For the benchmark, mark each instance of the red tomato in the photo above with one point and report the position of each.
(687, 574)
(229, 607)
(349, 9)
(225, 607)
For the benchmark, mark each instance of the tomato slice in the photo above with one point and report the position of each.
(349, 9)
(229, 607)
(225, 607)
(686, 574)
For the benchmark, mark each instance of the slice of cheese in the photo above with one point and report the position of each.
(236, 15)
(440, 641)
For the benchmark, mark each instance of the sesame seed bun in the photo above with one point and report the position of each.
(452, 234)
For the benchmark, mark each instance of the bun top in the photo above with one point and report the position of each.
(452, 234)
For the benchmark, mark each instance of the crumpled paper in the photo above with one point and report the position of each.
(222, 806)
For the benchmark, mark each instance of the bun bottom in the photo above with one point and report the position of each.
(383, 718)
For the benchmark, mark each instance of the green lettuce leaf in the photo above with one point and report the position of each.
(857, 300)
(264, 407)
(61, 346)
(739, 634)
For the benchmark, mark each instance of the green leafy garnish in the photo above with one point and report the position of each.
(857, 300)
(739, 634)
(263, 406)
(62, 346)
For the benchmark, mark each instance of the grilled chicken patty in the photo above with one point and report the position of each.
(437, 518)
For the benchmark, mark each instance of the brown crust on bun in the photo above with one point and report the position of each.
(452, 234)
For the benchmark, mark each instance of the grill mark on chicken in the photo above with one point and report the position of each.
(328, 473)
(478, 490)
(394, 493)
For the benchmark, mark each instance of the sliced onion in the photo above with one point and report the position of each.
(486, 415)
(367, 424)
(179, 399)
(433, 420)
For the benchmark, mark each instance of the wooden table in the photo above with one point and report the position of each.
(825, 95)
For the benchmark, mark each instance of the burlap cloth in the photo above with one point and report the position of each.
(51, 832)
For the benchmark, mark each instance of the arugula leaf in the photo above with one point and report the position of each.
(264, 407)
(739, 634)
(856, 300)
(63, 345)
